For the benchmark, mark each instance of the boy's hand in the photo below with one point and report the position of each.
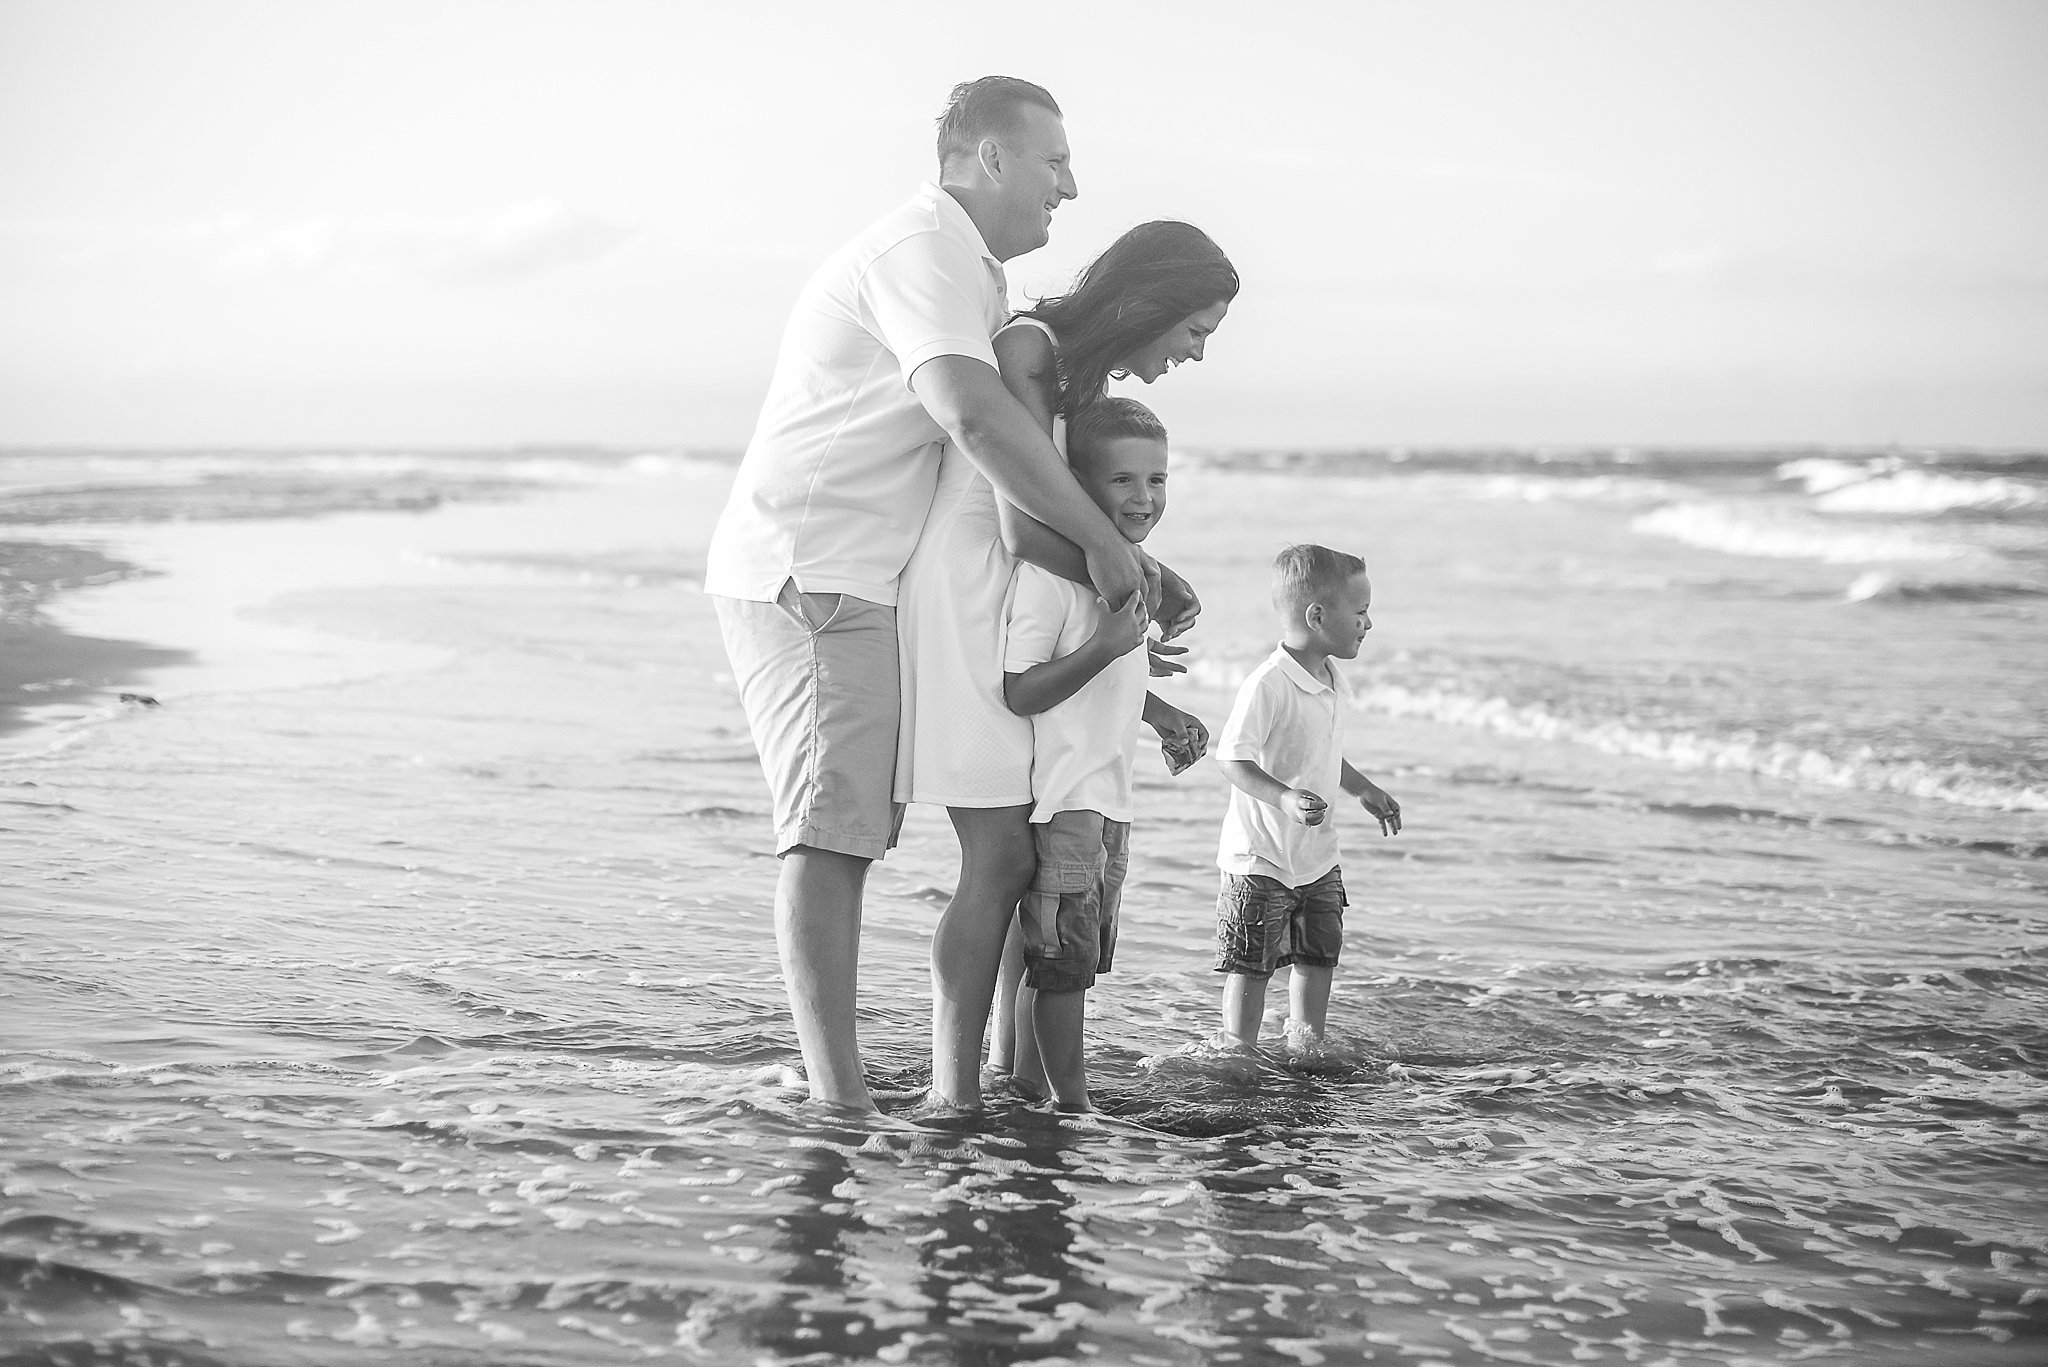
(1178, 605)
(1161, 665)
(1383, 808)
(1182, 738)
(1122, 630)
(1153, 585)
(1304, 806)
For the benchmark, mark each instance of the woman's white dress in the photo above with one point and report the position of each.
(959, 744)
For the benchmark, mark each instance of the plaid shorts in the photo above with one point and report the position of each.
(1262, 924)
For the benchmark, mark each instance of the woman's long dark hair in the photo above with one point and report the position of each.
(1149, 279)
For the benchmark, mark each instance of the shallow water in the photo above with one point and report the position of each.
(414, 1000)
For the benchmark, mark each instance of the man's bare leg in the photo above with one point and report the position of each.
(996, 864)
(817, 930)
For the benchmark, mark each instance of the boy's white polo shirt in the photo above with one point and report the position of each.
(837, 480)
(1082, 750)
(1291, 724)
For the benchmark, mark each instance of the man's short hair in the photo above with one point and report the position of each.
(1106, 420)
(1308, 573)
(986, 108)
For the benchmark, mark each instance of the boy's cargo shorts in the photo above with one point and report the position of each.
(818, 677)
(1262, 924)
(1069, 916)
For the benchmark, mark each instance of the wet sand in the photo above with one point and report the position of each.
(46, 668)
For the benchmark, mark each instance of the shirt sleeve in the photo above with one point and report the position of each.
(1251, 721)
(929, 296)
(1033, 616)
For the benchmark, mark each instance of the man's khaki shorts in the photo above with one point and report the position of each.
(818, 677)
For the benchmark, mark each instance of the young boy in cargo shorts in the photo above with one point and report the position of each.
(1073, 664)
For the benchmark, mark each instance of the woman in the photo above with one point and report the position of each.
(1145, 305)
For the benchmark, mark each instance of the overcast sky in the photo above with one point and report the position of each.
(435, 222)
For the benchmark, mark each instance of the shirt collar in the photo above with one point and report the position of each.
(1301, 678)
(956, 220)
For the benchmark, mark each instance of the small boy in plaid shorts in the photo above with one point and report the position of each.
(1282, 901)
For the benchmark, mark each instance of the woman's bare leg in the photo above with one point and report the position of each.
(996, 864)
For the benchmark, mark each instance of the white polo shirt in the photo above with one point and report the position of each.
(1291, 724)
(1082, 750)
(836, 483)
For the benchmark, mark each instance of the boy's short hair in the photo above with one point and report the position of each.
(986, 108)
(1106, 420)
(1309, 573)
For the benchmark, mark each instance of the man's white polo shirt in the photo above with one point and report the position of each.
(836, 483)
(1291, 724)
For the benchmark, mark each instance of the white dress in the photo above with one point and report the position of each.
(960, 745)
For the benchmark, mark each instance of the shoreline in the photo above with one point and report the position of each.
(63, 530)
(43, 665)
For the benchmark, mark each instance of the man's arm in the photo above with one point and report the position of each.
(967, 398)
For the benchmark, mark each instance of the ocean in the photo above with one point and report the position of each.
(389, 974)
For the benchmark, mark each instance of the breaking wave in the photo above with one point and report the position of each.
(1962, 784)
(1887, 486)
(1716, 527)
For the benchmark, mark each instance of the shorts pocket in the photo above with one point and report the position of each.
(812, 611)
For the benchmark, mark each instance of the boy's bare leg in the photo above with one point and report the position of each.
(1029, 1069)
(996, 864)
(1003, 1018)
(1244, 1007)
(1308, 999)
(1058, 1017)
(817, 931)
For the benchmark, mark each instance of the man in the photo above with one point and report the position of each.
(885, 358)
